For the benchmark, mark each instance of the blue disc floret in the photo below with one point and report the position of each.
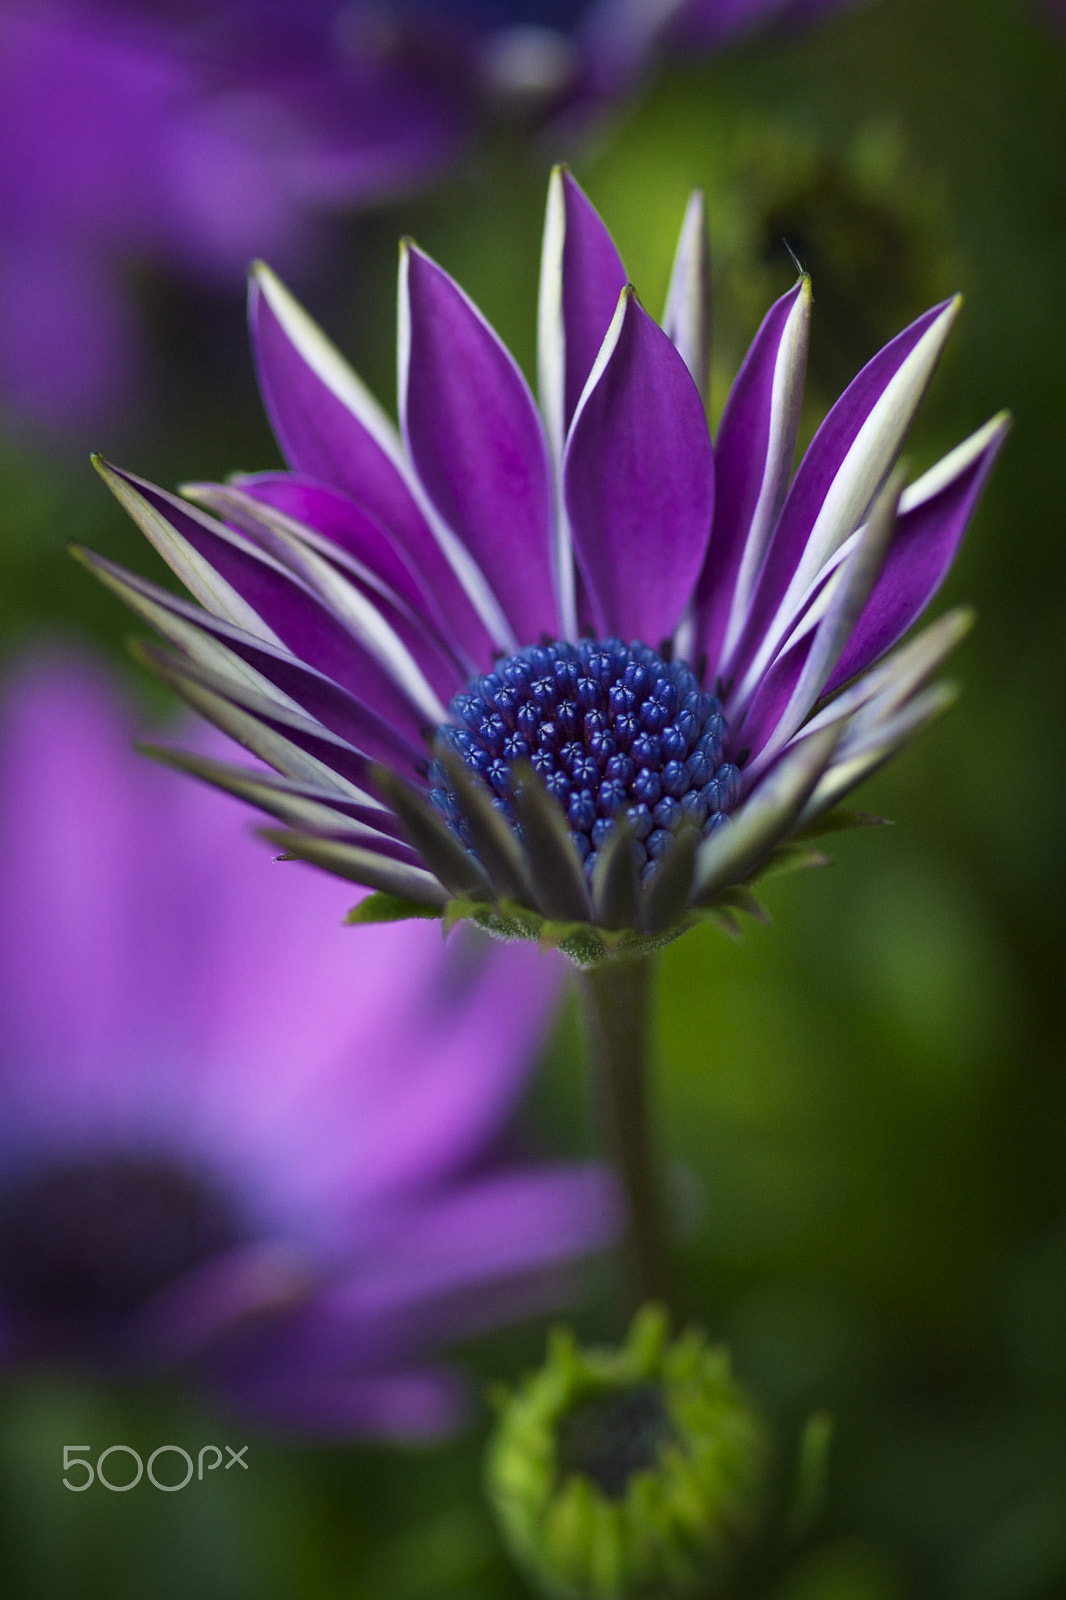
(614, 731)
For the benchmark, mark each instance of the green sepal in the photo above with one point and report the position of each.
(790, 857)
(584, 944)
(381, 907)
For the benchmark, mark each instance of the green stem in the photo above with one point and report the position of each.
(616, 997)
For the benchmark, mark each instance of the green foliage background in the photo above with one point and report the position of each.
(865, 1102)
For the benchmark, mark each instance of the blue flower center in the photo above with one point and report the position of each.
(614, 730)
(87, 1241)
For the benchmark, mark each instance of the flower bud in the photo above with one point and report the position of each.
(621, 1474)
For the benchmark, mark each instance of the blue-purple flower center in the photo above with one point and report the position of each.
(614, 730)
(89, 1240)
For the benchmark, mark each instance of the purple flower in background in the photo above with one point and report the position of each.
(570, 664)
(226, 1143)
(198, 135)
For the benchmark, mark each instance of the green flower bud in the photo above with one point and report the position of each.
(621, 1474)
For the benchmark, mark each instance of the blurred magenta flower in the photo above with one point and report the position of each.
(197, 135)
(715, 666)
(231, 1139)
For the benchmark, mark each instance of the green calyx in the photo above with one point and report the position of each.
(627, 1474)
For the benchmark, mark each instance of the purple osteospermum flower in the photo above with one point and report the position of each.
(572, 664)
(192, 135)
(222, 1144)
(198, 133)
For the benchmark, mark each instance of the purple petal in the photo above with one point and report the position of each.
(639, 480)
(259, 595)
(928, 535)
(331, 429)
(753, 459)
(581, 278)
(349, 526)
(841, 472)
(476, 441)
(405, 643)
(492, 1228)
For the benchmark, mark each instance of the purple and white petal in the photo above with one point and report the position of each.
(475, 440)
(330, 428)
(686, 318)
(812, 659)
(753, 456)
(934, 513)
(581, 277)
(841, 472)
(767, 815)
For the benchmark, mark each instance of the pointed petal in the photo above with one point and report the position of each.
(292, 744)
(476, 442)
(934, 514)
(400, 642)
(753, 459)
(556, 872)
(639, 480)
(686, 318)
(441, 850)
(245, 586)
(901, 674)
(865, 756)
(764, 818)
(330, 428)
(847, 461)
(581, 277)
(240, 664)
(297, 805)
(796, 681)
(362, 866)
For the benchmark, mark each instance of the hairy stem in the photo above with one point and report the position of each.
(617, 997)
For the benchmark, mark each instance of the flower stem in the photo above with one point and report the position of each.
(616, 997)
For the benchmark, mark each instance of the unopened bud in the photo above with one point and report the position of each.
(627, 1474)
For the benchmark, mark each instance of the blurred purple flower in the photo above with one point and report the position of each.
(199, 135)
(719, 656)
(233, 1134)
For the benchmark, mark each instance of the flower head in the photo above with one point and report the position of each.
(628, 1473)
(573, 672)
(226, 1145)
